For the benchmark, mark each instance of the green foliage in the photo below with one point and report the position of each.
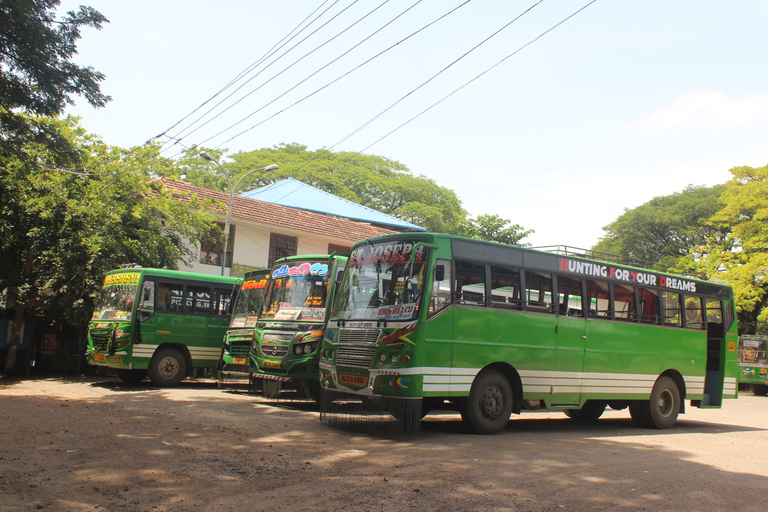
(664, 230)
(741, 257)
(373, 181)
(67, 219)
(36, 74)
(496, 229)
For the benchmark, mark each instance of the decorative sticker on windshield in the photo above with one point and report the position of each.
(303, 270)
(288, 313)
(122, 278)
(395, 252)
(313, 314)
(402, 312)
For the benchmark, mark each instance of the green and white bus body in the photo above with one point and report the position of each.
(753, 364)
(425, 321)
(291, 325)
(161, 323)
(233, 364)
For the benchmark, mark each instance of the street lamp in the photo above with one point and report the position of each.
(232, 190)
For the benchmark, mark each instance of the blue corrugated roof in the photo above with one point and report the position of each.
(293, 193)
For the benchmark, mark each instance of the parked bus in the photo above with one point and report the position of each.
(429, 321)
(233, 364)
(160, 323)
(753, 366)
(292, 323)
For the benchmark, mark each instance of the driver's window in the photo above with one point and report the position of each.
(441, 287)
(147, 303)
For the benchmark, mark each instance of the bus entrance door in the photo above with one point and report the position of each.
(569, 361)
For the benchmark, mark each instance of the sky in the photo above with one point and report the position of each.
(554, 120)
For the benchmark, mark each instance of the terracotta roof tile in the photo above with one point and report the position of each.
(277, 215)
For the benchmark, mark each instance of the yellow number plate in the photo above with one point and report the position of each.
(238, 360)
(357, 380)
(272, 364)
(102, 358)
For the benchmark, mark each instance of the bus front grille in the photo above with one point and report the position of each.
(100, 343)
(274, 350)
(356, 357)
(239, 349)
(359, 335)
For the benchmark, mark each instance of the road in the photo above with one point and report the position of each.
(94, 444)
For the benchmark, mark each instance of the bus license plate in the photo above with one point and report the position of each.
(272, 364)
(357, 380)
(102, 358)
(238, 360)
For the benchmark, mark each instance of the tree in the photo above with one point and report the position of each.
(69, 218)
(373, 181)
(496, 229)
(664, 230)
(36, 74)
(741, 256)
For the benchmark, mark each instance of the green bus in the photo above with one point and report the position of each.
(753, 364)
(284, 355)
(233, 363)
(161, 323)
(431, 321)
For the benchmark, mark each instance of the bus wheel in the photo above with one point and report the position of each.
(760, 389)
(131, 376)
(636, 412)
(167, 368)
(591, 411)
(489, 404)
(662, 409)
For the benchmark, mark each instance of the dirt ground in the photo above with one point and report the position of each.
(95, 444)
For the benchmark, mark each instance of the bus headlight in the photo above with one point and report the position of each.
(393, 358)
(383, 357)
(308, 348)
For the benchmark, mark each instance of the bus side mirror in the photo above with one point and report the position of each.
(440, 273)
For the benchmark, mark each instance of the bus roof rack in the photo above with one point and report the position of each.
(618, 259)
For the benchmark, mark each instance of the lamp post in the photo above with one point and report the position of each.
(232, 190)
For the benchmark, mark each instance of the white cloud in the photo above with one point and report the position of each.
(708, 111)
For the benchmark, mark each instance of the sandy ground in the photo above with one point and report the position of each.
(95, 444)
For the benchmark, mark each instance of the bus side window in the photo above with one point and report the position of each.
(693, 316)
(649, 306)
(599, 298)
(538, 292)
(624, 302)
(569, 296)
(222, 302)
(147, 302)
(670, 302)
(505, 288)
(198, 301)
(170, 297)
(470, 283)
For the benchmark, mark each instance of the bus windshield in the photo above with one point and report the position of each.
(297, 291)
(382, 281)
(117, 297)
(248, 303)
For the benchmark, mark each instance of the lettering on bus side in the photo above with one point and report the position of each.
(588, 268)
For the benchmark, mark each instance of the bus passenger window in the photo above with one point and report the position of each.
(670, 302)
(470, 283)
(170, 297)
(222, 300)
(505, 288)
(599, 298)
(569, 297)
(538, 292)
(624, 302)
(649, 306)
(198, 301)
(693, 317)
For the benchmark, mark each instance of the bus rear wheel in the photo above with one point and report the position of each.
(591, 411)
(167, 368)
(662, 409)
(489, 404)
(760, 389)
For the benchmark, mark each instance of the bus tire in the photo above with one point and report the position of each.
(591, 411)
(167, 368)
(131, 376)
(760, 389)
(489, 405)
(662, 409)
(637, 414)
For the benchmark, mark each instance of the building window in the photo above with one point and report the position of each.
(281, 246)
(213, 246)
(332, 248)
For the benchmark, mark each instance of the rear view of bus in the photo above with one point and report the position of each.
(159, 323)
(753, 363)
(233, 364)
(284, 357)
(436, 322)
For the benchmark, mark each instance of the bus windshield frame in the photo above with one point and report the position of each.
(383, 281)
(248, 304)
(117, 297)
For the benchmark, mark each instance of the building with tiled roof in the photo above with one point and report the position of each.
(262, 232)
